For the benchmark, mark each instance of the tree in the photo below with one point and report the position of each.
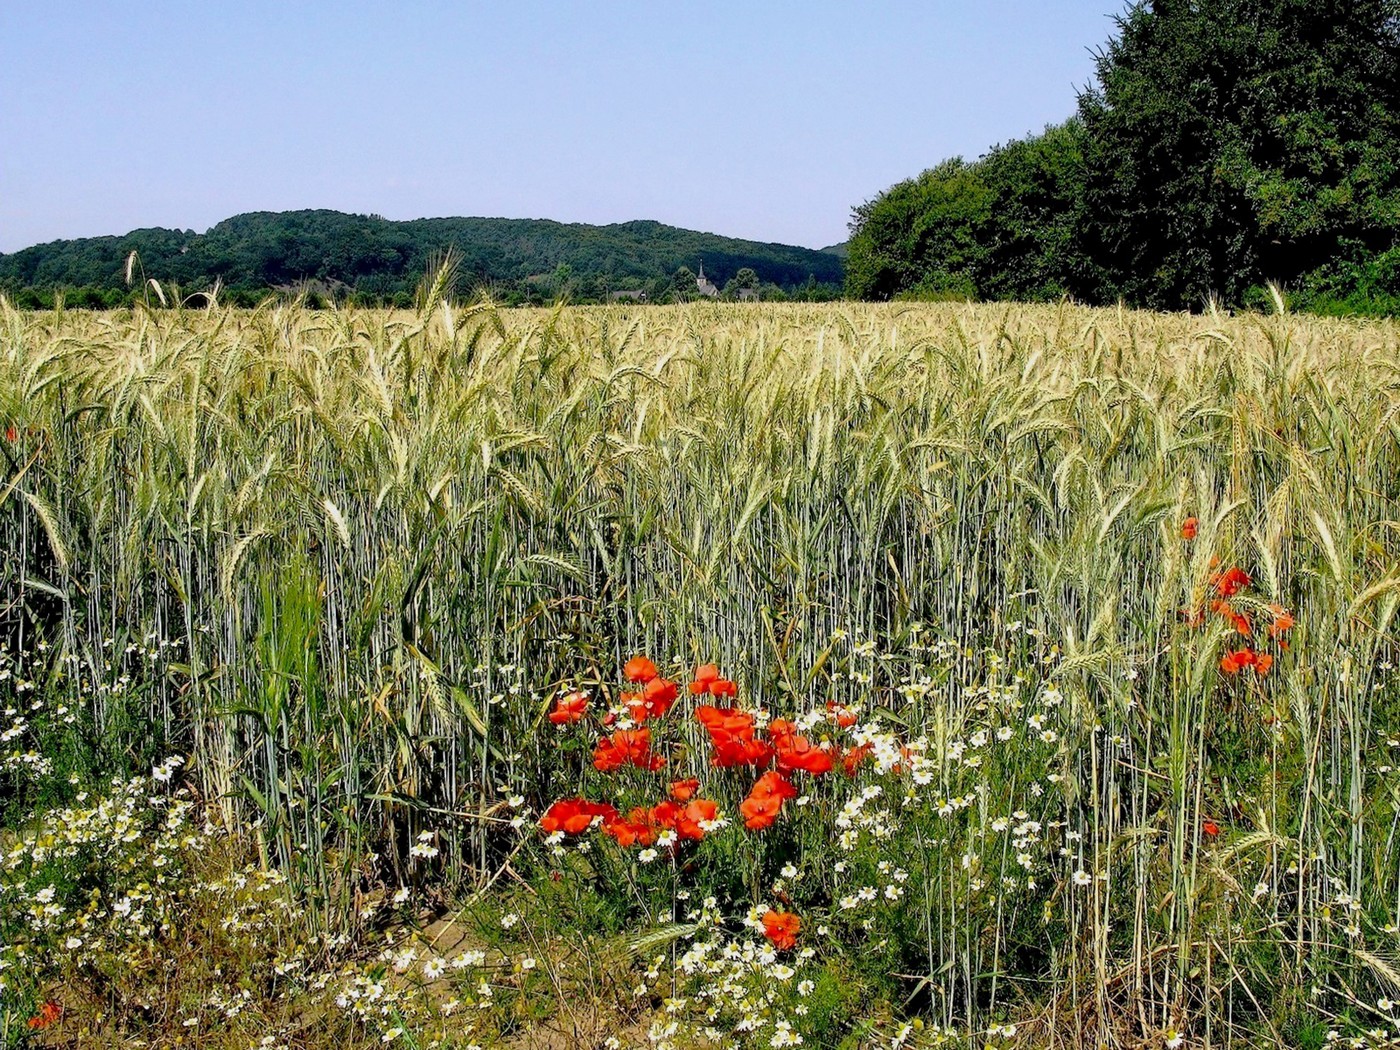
(921, 234)
(1226, 143)
(1004, 227)
(1031, 240)
(744, 280)
(683, 283)
(1234, 141)
(562, 285)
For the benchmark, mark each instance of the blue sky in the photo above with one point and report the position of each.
(765, 120)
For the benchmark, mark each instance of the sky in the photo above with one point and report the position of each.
(768, 120)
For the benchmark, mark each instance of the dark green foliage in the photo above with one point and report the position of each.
(1369, 286)
(1032, 249)
(746, 280)
(1003, 227)
(921, 234)
(683, 284)
(374, 261)
(1240, 141)
(1226, 145)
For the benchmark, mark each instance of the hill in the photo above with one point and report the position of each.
(378, 260)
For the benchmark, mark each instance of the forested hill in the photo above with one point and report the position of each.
(382, 261)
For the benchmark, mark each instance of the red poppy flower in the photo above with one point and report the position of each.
(11, 434)
(1283, 621)
(781, 732)
(704, 675)
(1226, 611)
(781, 927)
(686, 820)
(1211, 828)
(1229, 583)
(610, 753)
(732, 734)
(1231, 662)
(659, 694)
(1234, 662)
(741, 751)
(807, 757)
(760, 812)
(712, 717)
(797, 752)
(697, 812)
(707, 680)
(638, 828)
(684, 790)
(653, 701)
(851, 760)
(574, 816)
(723, 722)
(765, 800)
(639, 669)
(49, 1013)
(626, 747)
(569, 708)
(842, 715)
(1188, 529)
(665, 813)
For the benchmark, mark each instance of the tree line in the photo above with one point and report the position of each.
(1225, 145)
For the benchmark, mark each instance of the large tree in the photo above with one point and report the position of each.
(1031, 241)
(1229, 142)
(920, 235)
(1226, 143)
(1003, 227)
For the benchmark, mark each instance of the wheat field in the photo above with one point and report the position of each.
(369, 550)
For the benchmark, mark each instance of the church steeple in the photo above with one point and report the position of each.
(704, 285)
